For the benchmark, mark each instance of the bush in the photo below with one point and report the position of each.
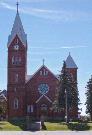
(78, 126)
(18, 122)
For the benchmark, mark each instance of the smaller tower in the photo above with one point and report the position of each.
(72, 70)
(71, 67)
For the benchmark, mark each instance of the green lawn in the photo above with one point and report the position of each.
(56, 126)
(50, 126)
(5, 126)
(19, 126)
(90, 125)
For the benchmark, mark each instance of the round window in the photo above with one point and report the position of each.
(43, 88)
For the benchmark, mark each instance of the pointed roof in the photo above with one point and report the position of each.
(70, 62)
(29, 77)
(17, 29)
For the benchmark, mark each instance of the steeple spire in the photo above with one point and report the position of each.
(17, 6)
(70, 62)
(17, 29)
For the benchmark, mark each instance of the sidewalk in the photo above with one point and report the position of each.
(46, 133)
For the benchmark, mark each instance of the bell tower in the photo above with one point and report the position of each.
(72, 70)
(71, 67)
(17, 68)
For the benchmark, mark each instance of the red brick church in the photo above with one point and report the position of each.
(29, 94)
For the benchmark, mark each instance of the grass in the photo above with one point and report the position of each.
(56, 126)
(7, 126)
(90, 125)
(50, 126)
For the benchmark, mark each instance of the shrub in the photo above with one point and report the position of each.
(78, 126)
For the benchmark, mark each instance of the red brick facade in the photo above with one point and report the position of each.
(16, 84)
(29, 95)
(34, 97)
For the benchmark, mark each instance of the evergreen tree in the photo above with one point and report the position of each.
(74, 100)
(67, 87)
(65, 98)
(89, 98)
(63, 83)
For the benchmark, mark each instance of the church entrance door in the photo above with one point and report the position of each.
(44, 109)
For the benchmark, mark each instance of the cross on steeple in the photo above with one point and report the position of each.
(43, 62)
(17, 6)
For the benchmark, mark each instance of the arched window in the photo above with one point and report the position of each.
(13, 60)
(16, 60)
(46, 73)
(40, 72)
(16, 77)
(16, 103)
(30, 108)
(15, 89)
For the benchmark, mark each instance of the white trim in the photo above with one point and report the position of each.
(39, 99)
(48, 98)
(42, 97)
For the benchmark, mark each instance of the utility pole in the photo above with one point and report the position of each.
(66, 104)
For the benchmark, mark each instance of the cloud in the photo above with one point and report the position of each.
(56, 15)
(29, 1)
(50, 50)
(59, 48)
(72, 47)
(26, 1)
(5, 5)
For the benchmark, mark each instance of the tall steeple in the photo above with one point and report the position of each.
(18, 29)
(17, 68)
(70, 62)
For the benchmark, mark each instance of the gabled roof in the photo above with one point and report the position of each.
(17, 30)
(70, 62)
(29, 77)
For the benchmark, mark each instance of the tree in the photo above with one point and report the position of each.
(67, 97)
(65, 92)
(89, 97)
(63, 85)
(74, 99)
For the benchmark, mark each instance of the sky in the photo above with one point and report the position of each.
(54, 28)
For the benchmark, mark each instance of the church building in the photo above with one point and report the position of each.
(29, 94)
